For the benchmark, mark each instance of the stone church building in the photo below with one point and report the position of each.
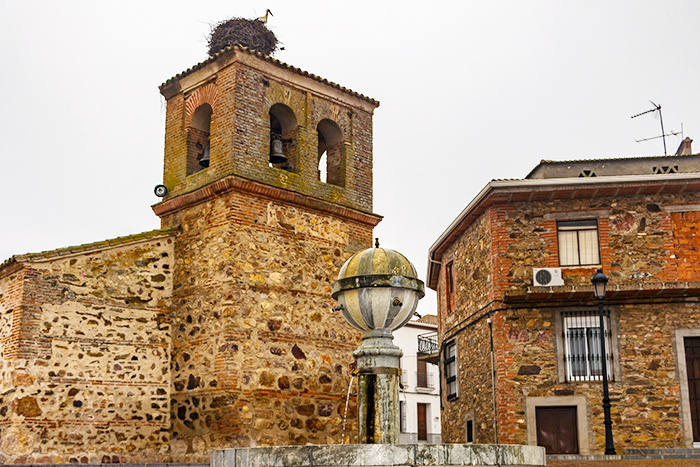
(216, 330)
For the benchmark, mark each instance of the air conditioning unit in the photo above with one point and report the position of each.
(546, 277)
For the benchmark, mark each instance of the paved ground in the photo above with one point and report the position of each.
(625, 463)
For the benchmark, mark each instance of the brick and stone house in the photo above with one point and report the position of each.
(216, 330)
(519, 350)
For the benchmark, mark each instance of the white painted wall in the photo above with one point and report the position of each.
(410, 396)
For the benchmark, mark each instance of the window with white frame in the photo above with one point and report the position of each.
(581, 336)
(578, 242)
(450, 363)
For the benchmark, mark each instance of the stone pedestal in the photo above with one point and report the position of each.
(378, 373)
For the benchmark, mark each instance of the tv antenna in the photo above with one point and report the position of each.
(657, 108)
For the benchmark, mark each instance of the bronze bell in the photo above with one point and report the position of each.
(204, 160)
(276, 154)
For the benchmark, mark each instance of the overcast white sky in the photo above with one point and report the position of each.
(470, 91)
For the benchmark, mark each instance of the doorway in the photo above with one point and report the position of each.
(422, 422)
(692, 367)
(557, 429)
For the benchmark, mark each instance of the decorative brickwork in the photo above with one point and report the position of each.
(686, 229)
(207, 94)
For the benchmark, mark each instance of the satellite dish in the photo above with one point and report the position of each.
(160, 191)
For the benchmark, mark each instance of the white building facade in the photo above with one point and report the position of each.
(419, 394)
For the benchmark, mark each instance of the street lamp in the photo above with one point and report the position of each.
(599, 281)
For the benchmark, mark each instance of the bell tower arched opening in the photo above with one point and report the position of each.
(331, 153)
(198, 139)
(283, 138)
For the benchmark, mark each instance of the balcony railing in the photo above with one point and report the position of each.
(428, 343)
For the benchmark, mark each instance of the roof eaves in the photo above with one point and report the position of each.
(71, 250)
(615, 159)
(271, 60)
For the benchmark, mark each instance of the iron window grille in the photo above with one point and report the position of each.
(581, 336)
(578, 242)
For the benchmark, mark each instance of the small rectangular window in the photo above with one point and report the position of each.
(470, 431)
(582, 346)
(449, 285)
(450, 363)
(449, 277)
(578, 242)
(422, 374)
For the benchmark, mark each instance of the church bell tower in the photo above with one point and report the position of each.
(268, 171)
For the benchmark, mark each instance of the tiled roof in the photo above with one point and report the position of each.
(609, 160)
(57, 253)
(271, 60)
(612, 159)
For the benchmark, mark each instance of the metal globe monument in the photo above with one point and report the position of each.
(377, 292)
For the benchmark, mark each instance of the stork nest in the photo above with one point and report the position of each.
(246, 32)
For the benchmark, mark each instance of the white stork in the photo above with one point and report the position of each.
(264, 18)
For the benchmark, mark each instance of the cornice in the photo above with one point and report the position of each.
(234, 183)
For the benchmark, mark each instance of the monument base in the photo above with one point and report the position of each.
(369, 455)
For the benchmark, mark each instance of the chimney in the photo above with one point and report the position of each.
(684, 148)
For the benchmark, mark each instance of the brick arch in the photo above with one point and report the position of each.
(207, 94)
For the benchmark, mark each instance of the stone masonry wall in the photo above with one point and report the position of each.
(475, 395)
(258, 356)
(472, 279)
(471, 265)
(10, 300)
(646, 394)
(86, 374)
(636, 240)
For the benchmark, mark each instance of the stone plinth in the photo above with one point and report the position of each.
(378, 388)
(367, 455)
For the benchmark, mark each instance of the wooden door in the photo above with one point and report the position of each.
(422, 422)
(557, 429)
(692, 366)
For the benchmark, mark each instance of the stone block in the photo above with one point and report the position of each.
(427, 454)
(521, 455)
(364, 455)
(223, 458)
(281, 456)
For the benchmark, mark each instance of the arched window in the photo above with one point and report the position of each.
(198, 139)
(283, 137)
(331, 153)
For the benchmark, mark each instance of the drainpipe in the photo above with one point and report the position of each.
(493, 385)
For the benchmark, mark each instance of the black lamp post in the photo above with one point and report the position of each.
(599, 281)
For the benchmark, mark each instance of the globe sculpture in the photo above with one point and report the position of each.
(378, 291)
